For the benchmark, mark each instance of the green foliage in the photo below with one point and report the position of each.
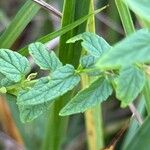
(133, 49)
(87, 61)
(62, 31)
(13, 65)
(4, 81)
(35, 96)
(46, 60)
(30, 112)
(94, 44)
(140, 7)
(61, 81)
(129, 84)
(96, 93)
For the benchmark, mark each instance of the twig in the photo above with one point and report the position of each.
(49, 7)
(136, 114)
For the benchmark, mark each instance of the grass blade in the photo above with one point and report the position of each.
(141, 138)
(62, 31)
(18, 24)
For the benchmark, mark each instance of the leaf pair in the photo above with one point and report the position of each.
(101, 88)
(36, 100)
(130, 82)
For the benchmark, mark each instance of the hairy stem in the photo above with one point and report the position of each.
(93, 116)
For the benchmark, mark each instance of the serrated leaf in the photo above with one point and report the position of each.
(140, 7)
(13, 65)
(87, 61)
(129, 84)
(63, 30)
(62, 80)
(45, 59)
(94, 44)
(96, 93)
(4, 81)
(133, 49)
(29, 113)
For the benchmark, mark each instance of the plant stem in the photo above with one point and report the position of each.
(125, 17)
(93, 116)
(134, 126)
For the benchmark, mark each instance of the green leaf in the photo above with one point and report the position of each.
(129, 84)
(87, 61)
(96, 93)
(4, 81)
(13, 65)
(29, 113)
(141, 139)
(133, 49)
(94, 44)
(62, 80)
(63, 30)
(46, 60)
(140, 7)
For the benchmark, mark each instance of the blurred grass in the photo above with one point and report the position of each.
(43, 24)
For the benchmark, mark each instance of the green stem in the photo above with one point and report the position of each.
(125, 17)
(93, 116)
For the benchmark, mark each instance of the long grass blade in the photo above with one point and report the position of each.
(18, 24)
(62, 31)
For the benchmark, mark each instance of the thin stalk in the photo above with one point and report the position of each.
(49, 8)
(134, 125)
(125, 16)
(136, 114)
(93, 116)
